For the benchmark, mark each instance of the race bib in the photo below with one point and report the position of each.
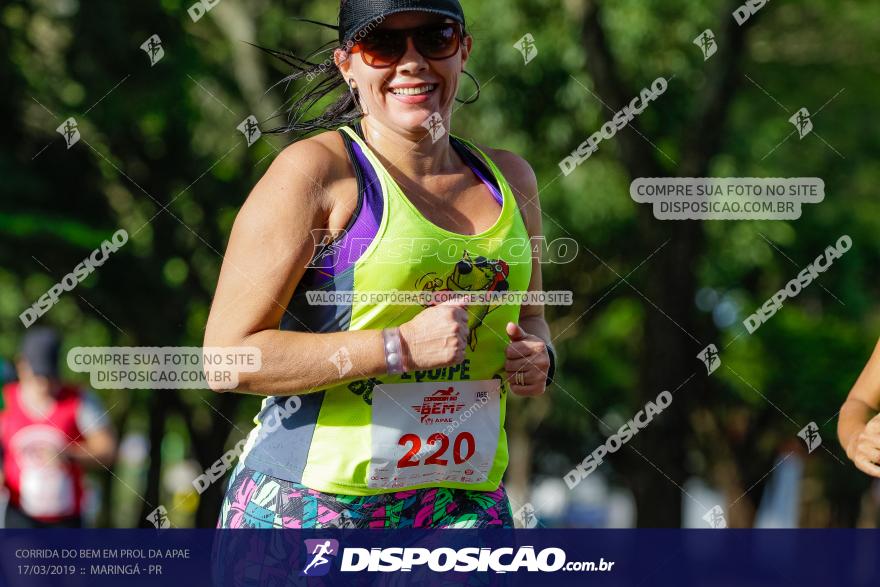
(433, 431)
(46, 492)
(46, 486)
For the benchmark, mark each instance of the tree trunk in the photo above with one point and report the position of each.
(159, 403)
(670, 342)
(524, 415)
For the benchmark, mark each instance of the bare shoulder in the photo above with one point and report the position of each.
(302, 181)
(318, 160)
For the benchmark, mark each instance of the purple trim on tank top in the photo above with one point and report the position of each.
(346, 251)
(343, 253)
(495, 193)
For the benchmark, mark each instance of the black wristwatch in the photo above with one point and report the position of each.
(552, 369)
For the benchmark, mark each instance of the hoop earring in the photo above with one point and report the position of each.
(355, 100)
(476, 83)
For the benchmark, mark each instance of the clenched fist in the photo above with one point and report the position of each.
(864, 448)
(527, 355)
(436, 337)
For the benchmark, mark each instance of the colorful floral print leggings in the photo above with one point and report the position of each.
(255, 500)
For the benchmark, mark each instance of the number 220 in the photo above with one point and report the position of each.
(407, 460)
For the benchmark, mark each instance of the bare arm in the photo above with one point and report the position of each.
(98, 448)
(532, 315)
(268, 251)
(527, 351)
(270, 246)
(96, 445)
(858, 427)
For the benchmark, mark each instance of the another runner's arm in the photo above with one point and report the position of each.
(858, 427)
(268, 251)
(98, 445)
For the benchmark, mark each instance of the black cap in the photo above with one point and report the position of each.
(356, 14)
(40, 350)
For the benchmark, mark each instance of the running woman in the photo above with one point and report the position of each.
(382, 414)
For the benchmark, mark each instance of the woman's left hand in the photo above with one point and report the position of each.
(526, 354)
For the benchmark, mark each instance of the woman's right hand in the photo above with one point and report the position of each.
(436, 337)
(864, 448)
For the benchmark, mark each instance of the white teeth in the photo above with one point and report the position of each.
(413, 91)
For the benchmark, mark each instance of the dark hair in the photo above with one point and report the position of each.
(325, 78)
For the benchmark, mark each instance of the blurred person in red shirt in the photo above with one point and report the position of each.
(49, 431)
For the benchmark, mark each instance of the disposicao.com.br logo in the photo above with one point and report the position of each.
(441, 560)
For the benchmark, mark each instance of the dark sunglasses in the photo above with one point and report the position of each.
(383, 48)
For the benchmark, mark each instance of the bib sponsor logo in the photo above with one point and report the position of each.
(440, 406)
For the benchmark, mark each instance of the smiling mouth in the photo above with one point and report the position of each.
(417, 91)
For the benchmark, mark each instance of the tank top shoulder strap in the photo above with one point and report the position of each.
(347, 141)
(358, 129)
(332, 259)
(369, 188)
(474, 156)
(478, 166)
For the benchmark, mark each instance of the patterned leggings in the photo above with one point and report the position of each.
(255, 500)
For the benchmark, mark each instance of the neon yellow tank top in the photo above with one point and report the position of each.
(435, 428)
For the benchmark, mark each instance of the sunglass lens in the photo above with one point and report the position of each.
(437, 42)
(383, 48)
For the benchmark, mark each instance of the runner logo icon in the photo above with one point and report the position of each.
(318, 562)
